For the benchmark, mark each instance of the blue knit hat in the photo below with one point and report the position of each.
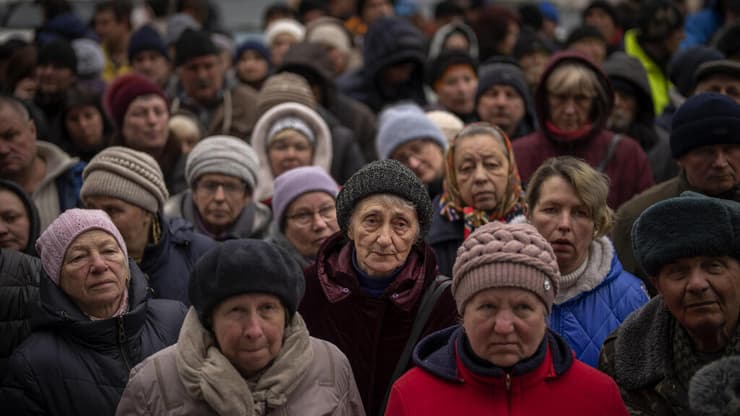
(252, 45)
(402, 123)
(705, 119)
(146, 38)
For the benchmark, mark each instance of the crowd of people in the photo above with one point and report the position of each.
(364, 210)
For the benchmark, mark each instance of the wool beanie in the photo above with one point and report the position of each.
(715, 389)
(449, 123)
(384, 177)
(126, 174)
(90, 58)
(241, 266)
(689, 225)
(437, 67)
(705, 119)
(402, 123)
(193, 44)
(123, 91)
(60, 53)
(252, 45)
(177, 24)
(290, 123)
(282, 88)
(53, 243)
(329, 31)
(290, 26)
(146, 38)
(502, 73)
(683, 65)
(226, 155)
(505, 255)
(296, 182)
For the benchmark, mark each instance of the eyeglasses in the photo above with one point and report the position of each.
(303, 218)
(581, 100)
(210, 187)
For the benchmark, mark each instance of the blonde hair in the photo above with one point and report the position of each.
(572, 78)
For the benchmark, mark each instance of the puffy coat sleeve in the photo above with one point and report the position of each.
(20, 393)
(136, 398)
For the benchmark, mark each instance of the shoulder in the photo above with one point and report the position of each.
(167, 315)
(244, 92)
(18, 269)
(183, 232)
(635, 206)
(151, 382)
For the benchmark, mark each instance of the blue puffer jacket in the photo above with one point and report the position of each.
(588, 318)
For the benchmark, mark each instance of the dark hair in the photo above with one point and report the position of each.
(79, 96)
(34, 223)
(276, 11)
(448, 9)
(21, 64)
(54, 8)
(121, 9)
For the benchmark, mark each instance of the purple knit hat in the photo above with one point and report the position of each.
(505, 255)
(53, 243)
(296, 182)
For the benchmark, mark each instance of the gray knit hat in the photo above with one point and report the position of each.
(126, 174)
(403, 123)
(505, 255)
(226, 155)
(384, 177)
(282, 88)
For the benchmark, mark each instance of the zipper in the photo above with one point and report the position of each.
(122, 342)
(508, 382)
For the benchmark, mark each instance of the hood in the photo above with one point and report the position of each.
(625, 68)
(444, 32)
(311, 61)
(391, 40)
(33, 215)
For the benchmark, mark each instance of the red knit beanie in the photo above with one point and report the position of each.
(123, 91)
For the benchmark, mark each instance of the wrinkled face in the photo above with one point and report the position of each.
(383, 233)
(712, 169)
(249, 330)
(593, 49)
(53, 78)
(220, 199)
(17, 142)
(562, 218)
(94, 271)
(132, 222)
(482, 171)
(279, 46)
(423, 156)
(623, 113)
(153, 66)
(84, 127)
(702, 293)
(202, 77)
(145, 124)
(375, 9)
(456, 41)
(15, 224)
(504, 325)
(722, 84)
(251, 67)
(534, 66)
(503, 106)
(309, 220)
(569, 111)
(109, 30)
(289, 151)
(601, 20)
(456, 89)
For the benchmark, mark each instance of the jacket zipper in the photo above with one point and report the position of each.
(508, 382)
(122, 342)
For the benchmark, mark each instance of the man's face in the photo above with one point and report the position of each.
(152, 65)
(503, 106)
(623, 114)
(375, 9)
(109, 30)
(53, 78)
(17, 143)
(712, 169)
(720, 83)
(202, 77)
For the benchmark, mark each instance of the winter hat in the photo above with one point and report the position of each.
(437, 67)
(583, 33)
(177, 24)
(60, 53)
(193, 44)
(449, 123)
(683, 65)
(90, 57)
(124, 90)
(531, 42)
(604, 6)
(220, 274)
(704, 119)
(329, 31)
(252, 45)
(296, 182)
(384, 177)
(126, 174)
(658, 19)
(280, 26)
(549, 11)
(146, 38)
(402, 123)
(727, 67)
(282, 88)
(686, 226)
(715, 389)
(290, 123)
(726, 41)
(389, 41)
(505, 255)
(502, 73)
(226, 155)
(311, 61)
(53, 243)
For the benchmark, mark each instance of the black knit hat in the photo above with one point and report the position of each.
(384, 177)
(146, 38)
(683, 65)
(192, 44)
(502, 73)
(585, 32)
(243, 266)
(690, 225)
(59, 53)
(658, 19)
(705, 119)
(439, 65)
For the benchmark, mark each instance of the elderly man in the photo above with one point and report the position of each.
(503, 99)
(722, 76)
(705, 140)
(690, 248)
(221, 109)
(222, 174)
(147, 55)
(43, 170)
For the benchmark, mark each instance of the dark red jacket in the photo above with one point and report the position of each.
(371, 332)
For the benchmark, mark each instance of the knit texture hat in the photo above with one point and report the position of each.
(330, 32)
(53, 243)
(146, 38)
(280, 26)
(505, 255)
(126, 174)
(704, 119)
(193, 44)
(402, 123)
(384, 177)
(220, 274)
(296, 182)
(60, 53)
(438, 66)
(686, 226)
(449, 123)
(252, 45)
(684, 63)
(282, 88)
(290, 123)
(226, 155)
(123, 91)
(90, 57)
(502, 73)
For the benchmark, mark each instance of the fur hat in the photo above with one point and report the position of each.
(715, 389)
(290, 26)
(58, 52)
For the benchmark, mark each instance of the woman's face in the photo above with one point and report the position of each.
(309, 220)
(504, 325)
(145, 123)
(85, 127)
(133, 222)
(456, 89)
(482, 171)
(563, 219)
(383, 232)
(569, 111)
(289, 151)
(252, 67)
(249, 330)
(15, 224)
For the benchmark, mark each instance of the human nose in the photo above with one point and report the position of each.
(318, 223)
(480, 174)
(564, 221)
(697, 281)
(413, 162)
(97, 264)
(219, 194)
(253, 327)
(384, 235)
(503, 322)
(3, 227)
(719, 158)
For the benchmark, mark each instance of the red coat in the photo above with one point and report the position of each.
(559, 385)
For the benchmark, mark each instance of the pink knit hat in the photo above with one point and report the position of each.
(505, 255)
(53, 243)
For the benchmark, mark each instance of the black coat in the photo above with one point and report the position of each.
(71, 365)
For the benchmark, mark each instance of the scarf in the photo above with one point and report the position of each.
(209, 376)
(567, 136)
(590, 274)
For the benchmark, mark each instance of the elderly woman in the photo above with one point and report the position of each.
(574, 100)
(689, 245)
(288, 136)
(300, 194)
(19, 219)
(567, 205)
(453, 77)
(502, 359)
(243, 349)
(129, 186)
(96, 321)
(481, 185)
(364, 291)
